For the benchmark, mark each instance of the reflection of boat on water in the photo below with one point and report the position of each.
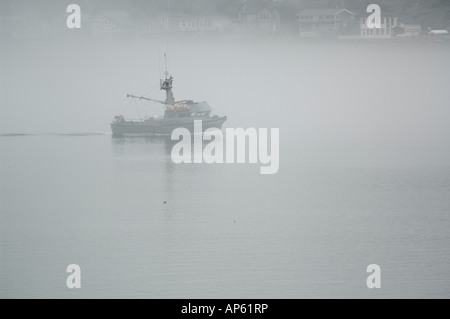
(176, 114)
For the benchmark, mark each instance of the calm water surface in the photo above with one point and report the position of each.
(225, 231)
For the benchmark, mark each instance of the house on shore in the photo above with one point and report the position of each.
(183, 23)
(257, 16)
(111, 24)
(147, 26)
(386, 31)
(408, 29)
(391, 26)
(438, 34)
(201, 24)
(320, 22)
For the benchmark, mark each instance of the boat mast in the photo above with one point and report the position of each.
(166, 85)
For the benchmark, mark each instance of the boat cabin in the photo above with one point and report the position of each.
(187, 109)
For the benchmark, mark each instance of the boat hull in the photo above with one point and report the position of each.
(164, 127)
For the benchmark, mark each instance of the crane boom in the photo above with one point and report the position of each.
(145, 98)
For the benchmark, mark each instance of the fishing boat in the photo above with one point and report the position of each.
(177, 114)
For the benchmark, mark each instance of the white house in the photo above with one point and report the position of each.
(204, 24)
(154, 25)
(184, 24)
(258, 16)
(195, 24)
(317, 22)
(112, 23)
(385, 32)
(411, 30)
(438, 34)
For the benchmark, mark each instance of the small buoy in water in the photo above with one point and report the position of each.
(165, 202)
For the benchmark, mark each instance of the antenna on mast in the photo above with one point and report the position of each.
(165, 64)
(166, 84)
